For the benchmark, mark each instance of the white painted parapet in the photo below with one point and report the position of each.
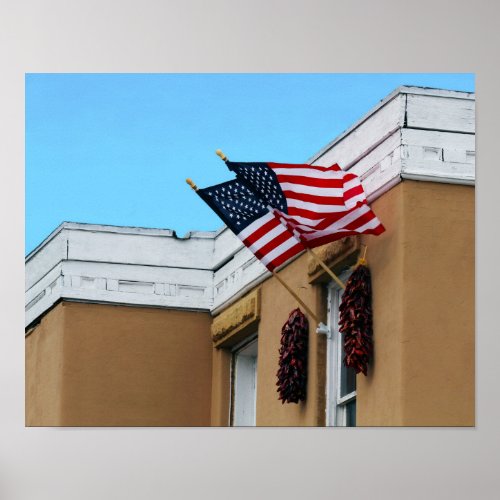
(414, 133)
(120, 265)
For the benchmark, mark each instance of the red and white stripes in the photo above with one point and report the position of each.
(270, 241)
(324, 203)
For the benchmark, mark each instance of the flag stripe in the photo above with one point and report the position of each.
(270, 241)
(343, 234)
(371, 224)
(287, 254)
(312, 174)
(352, 182)
(354, 230)
(348, 218)
(309, 225)
(310, 214)
(285, 237)
(337, 183)
(310, 198)
(316, 208)
(319, 168)
(357, 222)
(304, 220)
(286, 246)
(277, 248)
(354, 191)
(267, 238)
(355, 200)
(308, 189)
(258, 229)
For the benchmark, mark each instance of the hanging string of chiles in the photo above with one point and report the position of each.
(355, 323)
(292, 372)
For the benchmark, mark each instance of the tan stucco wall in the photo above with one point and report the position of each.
(221, 387)
(438, 354)
(275, 307)
(423, 300)
(121, 366)
(379, 400)
(44, 370)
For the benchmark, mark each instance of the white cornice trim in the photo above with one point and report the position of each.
(402, 90)
(436, 178)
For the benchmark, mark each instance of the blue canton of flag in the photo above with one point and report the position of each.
(253, 221)
(262, 181)
(234, 203)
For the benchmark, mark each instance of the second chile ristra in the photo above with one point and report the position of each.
(356, 320)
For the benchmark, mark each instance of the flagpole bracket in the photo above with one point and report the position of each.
(323, 329)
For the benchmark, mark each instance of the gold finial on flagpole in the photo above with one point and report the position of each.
(362, 260)
(192, 184)
(222, 156)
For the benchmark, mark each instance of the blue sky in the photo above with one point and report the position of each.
(116, 148)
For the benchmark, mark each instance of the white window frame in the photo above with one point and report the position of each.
(237, 349)
(336, 409)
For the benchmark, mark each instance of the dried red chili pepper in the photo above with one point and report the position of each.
(292, 372)
(356, 320)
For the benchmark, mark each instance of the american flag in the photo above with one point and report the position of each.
(317, 204)
(254, 221)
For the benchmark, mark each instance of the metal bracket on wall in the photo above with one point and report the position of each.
(324, 330)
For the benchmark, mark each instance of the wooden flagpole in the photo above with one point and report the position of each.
(296, 297)
(326, 268)
(275, 274)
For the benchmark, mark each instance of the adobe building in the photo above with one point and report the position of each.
(137, 327)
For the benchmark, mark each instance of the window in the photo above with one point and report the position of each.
(244, 383)
(341, 381)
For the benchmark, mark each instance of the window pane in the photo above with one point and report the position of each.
(350, 409)
(347, 380)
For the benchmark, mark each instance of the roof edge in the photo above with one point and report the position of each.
(109, 228)
(402, 89)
